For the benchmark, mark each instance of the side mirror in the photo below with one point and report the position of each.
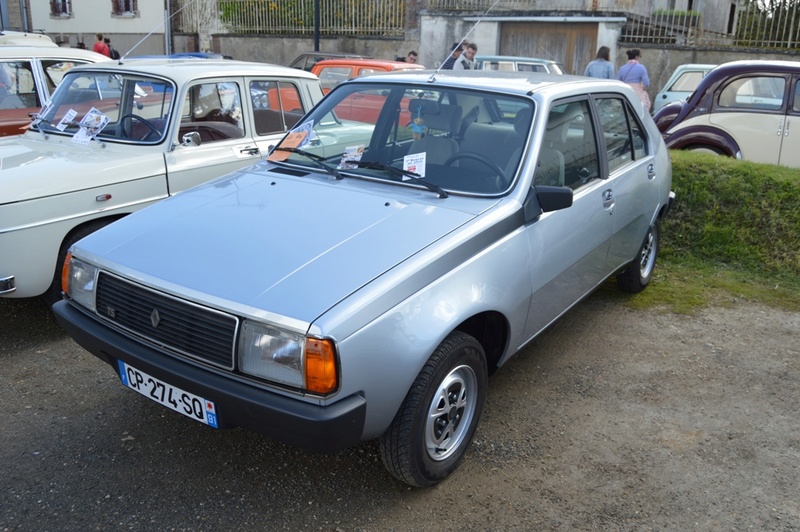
(191, 139)
(543, 198)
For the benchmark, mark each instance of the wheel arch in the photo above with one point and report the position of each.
(491, 330)
(707, 136)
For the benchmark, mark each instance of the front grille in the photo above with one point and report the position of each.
(185, 328)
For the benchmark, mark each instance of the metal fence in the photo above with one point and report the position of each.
(766, 24)
(296, 17)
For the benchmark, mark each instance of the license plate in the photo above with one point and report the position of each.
(185, 403)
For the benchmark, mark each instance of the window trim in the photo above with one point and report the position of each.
(61, 9)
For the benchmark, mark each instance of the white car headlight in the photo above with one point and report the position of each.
(272, 354)
(81, 283)
(288, 358)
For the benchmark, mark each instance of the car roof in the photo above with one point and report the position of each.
(386, 64)
(55, 52)
(522, 83)
(182, 70)
(735, 67)
(22, 38)
(513, 58)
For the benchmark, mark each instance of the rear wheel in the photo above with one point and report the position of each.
(706, 149)
(437, 420)
(638, 274)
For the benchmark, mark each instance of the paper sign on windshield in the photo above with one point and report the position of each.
(293, 139)
(415, 163)
(93, 123)
(67, 120)
(351, 156)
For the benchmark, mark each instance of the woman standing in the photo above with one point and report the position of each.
(601, 67)
(635, 74)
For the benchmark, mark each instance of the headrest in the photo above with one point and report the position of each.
(558, 121)
(522, 122)
(436, 116)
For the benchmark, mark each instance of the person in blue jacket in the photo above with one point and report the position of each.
(601, 67)
(634, 74)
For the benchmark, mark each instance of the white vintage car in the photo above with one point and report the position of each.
(117, 137)
(365, 279)
(30, 74)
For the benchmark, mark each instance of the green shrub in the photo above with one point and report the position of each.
(737, 213)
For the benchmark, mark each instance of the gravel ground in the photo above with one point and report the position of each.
(613, 419)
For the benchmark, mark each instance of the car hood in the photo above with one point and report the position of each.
(32, 167)
(260, 243)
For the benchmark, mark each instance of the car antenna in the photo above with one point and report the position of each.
(464, 38)
(160, 24)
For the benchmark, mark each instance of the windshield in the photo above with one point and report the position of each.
(129, 108)
(459, 140)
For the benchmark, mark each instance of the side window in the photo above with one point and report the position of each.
(624, 137)
(54, 70)
(331, 76)
(569, 149)
(796, 104)
(276, 106)
(687, 81)
(17, 86)
(757, 92)
(214, 110)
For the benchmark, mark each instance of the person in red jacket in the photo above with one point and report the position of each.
(100, 47)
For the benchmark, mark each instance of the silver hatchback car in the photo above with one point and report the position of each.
(365, 279)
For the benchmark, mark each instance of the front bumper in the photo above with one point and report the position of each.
(304, 425)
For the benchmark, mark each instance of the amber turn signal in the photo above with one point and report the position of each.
(321, 373)
(65, 273)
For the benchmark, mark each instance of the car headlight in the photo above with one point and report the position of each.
(288, 358)
(79, 282)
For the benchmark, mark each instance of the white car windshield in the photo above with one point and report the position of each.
(453, 139)
(104, 106)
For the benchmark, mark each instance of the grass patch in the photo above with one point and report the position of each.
(733, 235)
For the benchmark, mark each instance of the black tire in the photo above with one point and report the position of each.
(702, 148)
(436, 422)
(639, 272)
(53, 293)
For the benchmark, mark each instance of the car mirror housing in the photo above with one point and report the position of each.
(191, 139)
(546, 198)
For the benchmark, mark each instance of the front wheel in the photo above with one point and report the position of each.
(436, 422)
(638, 274)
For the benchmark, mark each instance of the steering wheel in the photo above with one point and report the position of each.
(494, 167)
(130, 116)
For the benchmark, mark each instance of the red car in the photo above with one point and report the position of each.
(365, 108)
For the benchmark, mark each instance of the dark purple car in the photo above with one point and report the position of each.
(742, 109)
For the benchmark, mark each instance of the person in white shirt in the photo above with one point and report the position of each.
(467, 59)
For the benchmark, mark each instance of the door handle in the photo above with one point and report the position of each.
(651, 171)
(250, 150)
(608, 201)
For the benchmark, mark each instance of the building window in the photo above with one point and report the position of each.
(60, 8)
(124, 7)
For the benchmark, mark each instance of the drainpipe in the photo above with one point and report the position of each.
(24, 8)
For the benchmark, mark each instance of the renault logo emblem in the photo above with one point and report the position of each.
(155, 318)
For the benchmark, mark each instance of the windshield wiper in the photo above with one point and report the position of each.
(412, 176)
(316, 159)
